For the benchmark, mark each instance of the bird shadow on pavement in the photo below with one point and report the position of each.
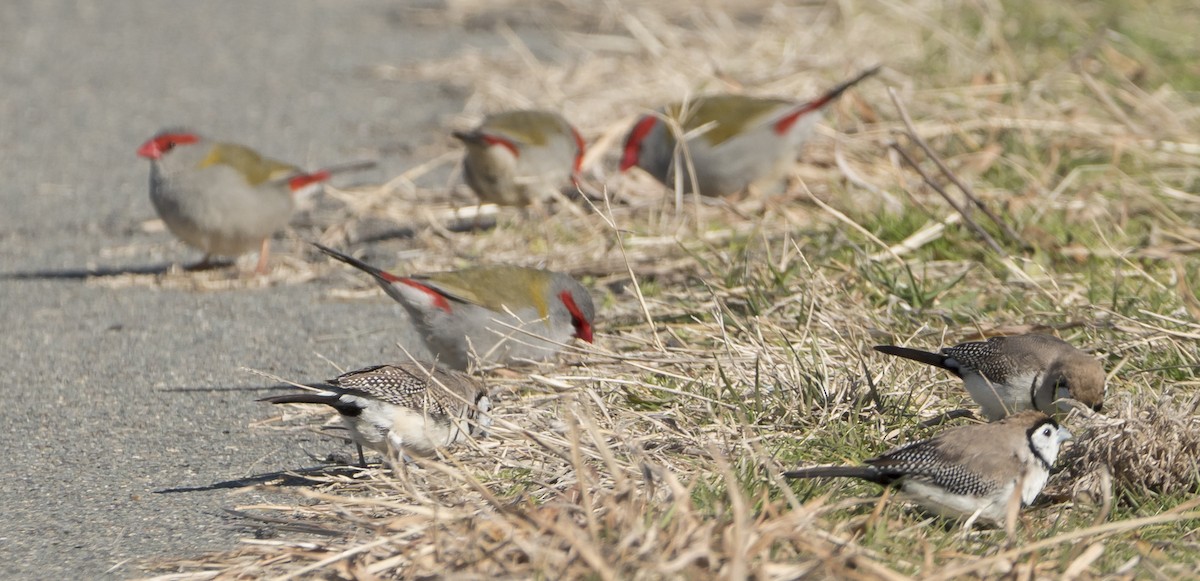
(86, 273)
(247, 388)
(266, 526)
(296, 477)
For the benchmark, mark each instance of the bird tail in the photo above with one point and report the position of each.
(837, 91)
(468, 136)
(934, 359)
(310, 397)
(383, 276)
(864, 472)
(360, 165)
(300, 183)
(332, 400)
(783, 124)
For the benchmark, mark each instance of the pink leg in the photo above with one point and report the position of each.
(263, 253)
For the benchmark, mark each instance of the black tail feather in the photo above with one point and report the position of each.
(384, 277)
(837, 91)
(468, 136)
(332, 400)
(926, 357)
(868, 473)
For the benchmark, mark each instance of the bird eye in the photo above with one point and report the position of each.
(1046, 432)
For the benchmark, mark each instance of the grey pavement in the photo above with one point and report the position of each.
(114, 395)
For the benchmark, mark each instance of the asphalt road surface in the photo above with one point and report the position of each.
(121, 414)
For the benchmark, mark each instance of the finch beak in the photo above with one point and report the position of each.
(149, 150)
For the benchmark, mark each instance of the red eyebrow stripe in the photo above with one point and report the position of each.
(439, 300)
(583, 328)
(580, 148)
(178, 138)
(507, 144)
(633, 145)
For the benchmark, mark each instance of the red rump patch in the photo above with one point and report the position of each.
(438, 300)
(307, 179)
(505, 143)
(580, 148)
(783, 125)
(633, 145)
(583, 328)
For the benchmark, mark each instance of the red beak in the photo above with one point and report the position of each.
(585, 333)
(150, 150)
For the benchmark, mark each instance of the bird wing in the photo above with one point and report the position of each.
(731, 114)
(395, 385)
(492, 287)
(932, 461)
(526, 127)
(256, 168)
(986, 357)
(999, 357)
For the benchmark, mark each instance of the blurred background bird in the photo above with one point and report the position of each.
(745, 141)
(225, 199)
(521, 158)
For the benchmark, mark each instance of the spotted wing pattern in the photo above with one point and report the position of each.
(986, 357)
(926, 461)
(397, 386)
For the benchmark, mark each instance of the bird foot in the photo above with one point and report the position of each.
(261, 269)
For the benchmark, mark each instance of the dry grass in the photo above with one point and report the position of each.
(1152, 449)
(735, 337)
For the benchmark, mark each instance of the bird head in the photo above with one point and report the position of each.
(582, 313)
(650, 145)
(1045, 435)
(165, 141)
(1081, 378)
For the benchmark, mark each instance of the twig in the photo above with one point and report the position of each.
(887, 250)
(991, 242)
(918, 239)
(962, 186)
(611, 221)
(911, 132)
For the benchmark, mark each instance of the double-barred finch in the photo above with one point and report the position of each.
(970, 471)
(503, 314)
(1005, 375)
(222, 198)
(411, 407)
